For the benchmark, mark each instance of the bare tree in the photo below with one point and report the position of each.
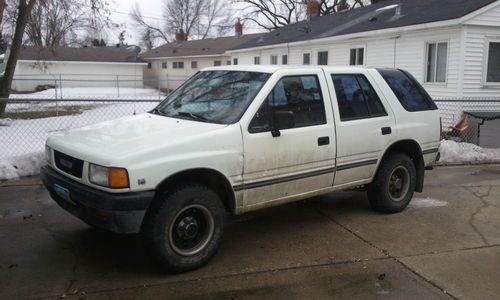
(272, 14)
(24, 10)
(152, 31)
(198, 19)
(20, 19)
(62, 22)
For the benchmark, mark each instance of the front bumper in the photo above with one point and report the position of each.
(120, 213)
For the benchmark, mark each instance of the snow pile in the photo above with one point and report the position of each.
(21, 166)
(465, 153)
(427, 202)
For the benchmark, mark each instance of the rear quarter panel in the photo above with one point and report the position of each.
(422, 126)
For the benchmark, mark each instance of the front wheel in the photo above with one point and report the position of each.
(183, 231)
(394, 184)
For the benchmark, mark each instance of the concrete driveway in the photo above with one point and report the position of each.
(446, 245)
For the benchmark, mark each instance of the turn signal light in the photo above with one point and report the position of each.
(118, 178)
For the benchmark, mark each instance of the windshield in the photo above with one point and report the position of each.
(214, 96)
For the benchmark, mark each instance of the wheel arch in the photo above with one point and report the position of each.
(213, 179)
(414, 151)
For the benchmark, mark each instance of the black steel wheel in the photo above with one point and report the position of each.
(394, 184)
(183, 228)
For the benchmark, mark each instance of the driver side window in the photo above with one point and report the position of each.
(295, 101)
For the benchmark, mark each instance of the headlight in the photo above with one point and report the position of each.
(116, 178)
(48, 155)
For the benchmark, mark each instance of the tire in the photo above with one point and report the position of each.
(394, 184)
(184, 229)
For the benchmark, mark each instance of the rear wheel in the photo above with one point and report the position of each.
(184, 230)
(394, 184)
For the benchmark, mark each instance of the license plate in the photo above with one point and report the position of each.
(63, 193)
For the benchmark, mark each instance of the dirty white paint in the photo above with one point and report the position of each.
(427, 202)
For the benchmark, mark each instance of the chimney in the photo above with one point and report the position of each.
(238, 29)
(180, 36)
(313, 8)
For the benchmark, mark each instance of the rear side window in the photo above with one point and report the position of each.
(356, 97)
(409, 92)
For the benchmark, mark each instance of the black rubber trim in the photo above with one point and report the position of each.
(429, 151)
(94, 198)
(357, 164)
(254, 185)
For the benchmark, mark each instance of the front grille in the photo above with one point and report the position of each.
(68, 164)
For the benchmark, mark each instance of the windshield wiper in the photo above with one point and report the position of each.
(156, 111)
(192, 116)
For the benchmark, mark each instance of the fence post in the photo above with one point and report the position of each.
(118, 84)
(159, 88)
(60, 86)
(55, 88)
(57, 104)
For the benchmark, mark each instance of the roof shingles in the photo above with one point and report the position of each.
(98, 54)
(372, 17)
(213, 46)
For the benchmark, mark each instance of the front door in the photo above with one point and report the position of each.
(289, 146)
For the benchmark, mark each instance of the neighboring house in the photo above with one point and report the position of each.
(451, 46)
(77, 67)
(171, 64)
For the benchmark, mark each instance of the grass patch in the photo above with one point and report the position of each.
(49, 112)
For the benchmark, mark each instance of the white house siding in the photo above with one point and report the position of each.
(410, 49)
(171, 78)
(30, 74)
(478, 31)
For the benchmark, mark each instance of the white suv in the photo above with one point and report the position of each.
(240, 138)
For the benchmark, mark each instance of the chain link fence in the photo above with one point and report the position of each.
(93, 86)
(27, 123)
(471, 120)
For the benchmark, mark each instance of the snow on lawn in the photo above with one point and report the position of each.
(22, 146)
(23, 141)
(465, 153)
(93, 93)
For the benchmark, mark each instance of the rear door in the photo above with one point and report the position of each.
(365, 125)
(299, 158)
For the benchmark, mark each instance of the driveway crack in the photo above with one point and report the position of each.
(478, 211)
(385, 252)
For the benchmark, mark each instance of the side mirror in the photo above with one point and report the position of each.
(282, 119)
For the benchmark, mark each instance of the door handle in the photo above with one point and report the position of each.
(386, 130)
(323, 141)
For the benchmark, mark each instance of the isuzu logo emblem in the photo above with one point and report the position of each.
(66, 163)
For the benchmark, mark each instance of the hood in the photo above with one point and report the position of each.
(119, 138)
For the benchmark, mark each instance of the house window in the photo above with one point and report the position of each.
(437, 60)
(493, 71)
(217, 63)
(357, 57)
(323, 58)
(194, 64)
(150, 65)
(274, 59)
(228, 62)
(256, 60)
(163, 65)
(178, 65)
(235, 61)
(306, 58)
(284, 59)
